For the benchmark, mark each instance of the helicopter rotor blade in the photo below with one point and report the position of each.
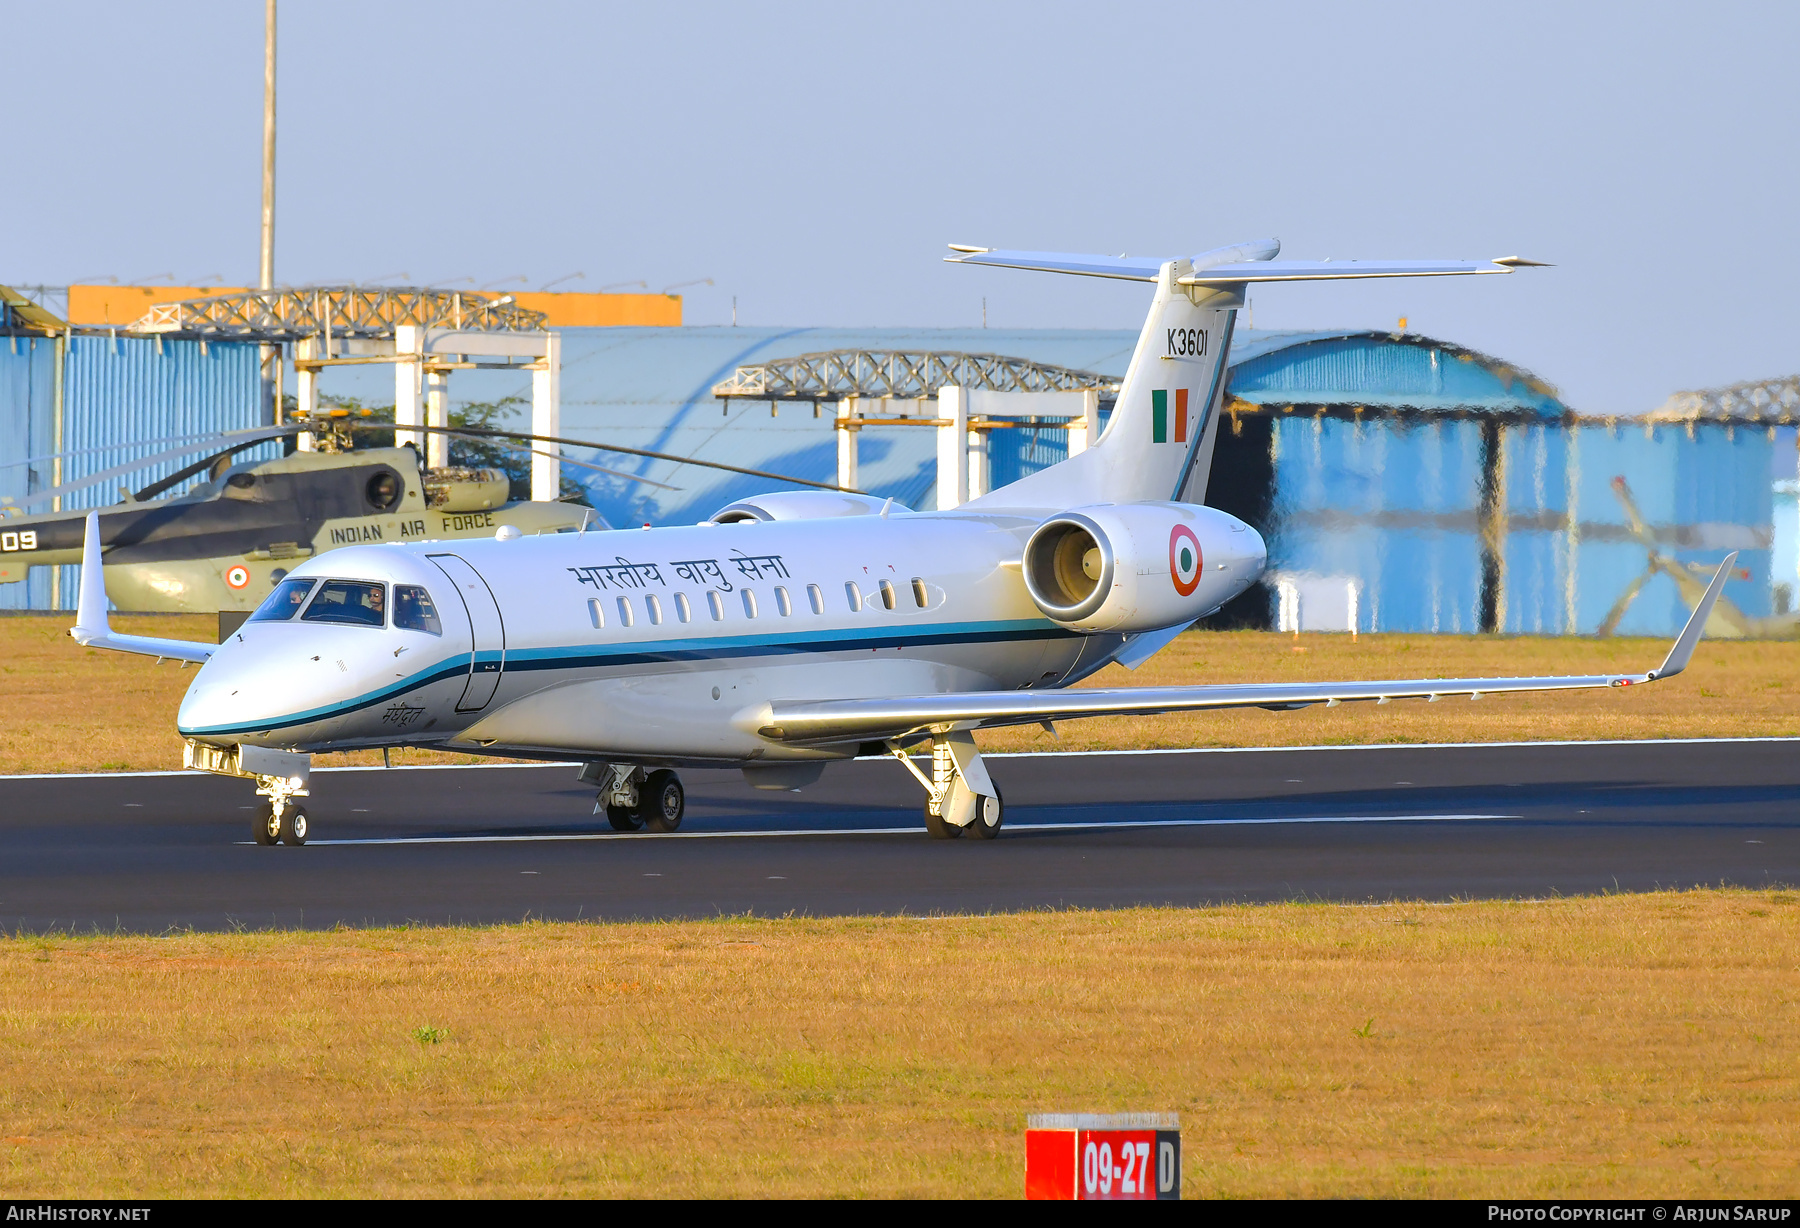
(458, 432)
(484, 432)
(203, 440)
(183, 474)
(259, 434)
(617, 473)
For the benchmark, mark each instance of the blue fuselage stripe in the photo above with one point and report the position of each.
(660, 652)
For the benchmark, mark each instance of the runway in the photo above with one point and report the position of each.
(151, 852)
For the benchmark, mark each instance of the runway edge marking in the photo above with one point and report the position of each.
(1009, 754)
(1107, 825)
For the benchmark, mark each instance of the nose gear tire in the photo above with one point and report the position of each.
(293, 826)
(264, 827)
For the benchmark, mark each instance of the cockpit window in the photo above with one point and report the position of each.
(285, 602)
(414, 610)
(348, 601)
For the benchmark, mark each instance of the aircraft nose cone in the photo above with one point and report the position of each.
(210, 702)
(233, 693)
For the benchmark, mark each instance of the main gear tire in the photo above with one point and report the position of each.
(939, 828)
(989, 814)
(662, 801)
(624, 818)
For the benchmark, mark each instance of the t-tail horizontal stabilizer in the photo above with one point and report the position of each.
(92, 630)
(1240, 264)
(799, 722)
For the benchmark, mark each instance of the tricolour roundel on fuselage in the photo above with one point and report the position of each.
(1184, 560)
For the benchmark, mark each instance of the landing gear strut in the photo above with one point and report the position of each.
(281, 818)
(280, 775)
(960, 796)
(635, 800)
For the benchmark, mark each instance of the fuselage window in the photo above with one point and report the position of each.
(596, 613)
(782, 601)
(920, 597)
(285, 602)
(358, 603)
(655, 607)
(749, 604)
(716, 604)
(815, 598)
(624, 612)
(887, 595)
(853, 595)
(414, 610)
(683, 611)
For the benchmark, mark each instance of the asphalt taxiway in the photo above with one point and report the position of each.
(151, 852)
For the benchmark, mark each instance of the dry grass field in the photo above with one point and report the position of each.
(1619, 1046)
(74, 709)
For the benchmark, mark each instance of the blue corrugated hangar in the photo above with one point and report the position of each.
(1405, 483)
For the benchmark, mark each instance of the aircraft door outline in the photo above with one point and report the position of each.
(486, 628)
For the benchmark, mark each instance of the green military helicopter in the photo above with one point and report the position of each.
(225, 542)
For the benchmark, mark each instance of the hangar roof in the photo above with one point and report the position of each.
(1356, 371)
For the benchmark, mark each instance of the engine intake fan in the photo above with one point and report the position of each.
(1069, 567)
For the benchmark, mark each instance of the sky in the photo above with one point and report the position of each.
(812, 160)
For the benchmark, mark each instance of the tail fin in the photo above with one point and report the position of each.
(1159, 443)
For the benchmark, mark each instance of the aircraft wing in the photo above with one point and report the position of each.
(802, 722)
(1234, 272)
(92, 630)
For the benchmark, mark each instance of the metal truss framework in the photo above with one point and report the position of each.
(1774, 402)
(837, 375)
(1237, 408)
(337, 311)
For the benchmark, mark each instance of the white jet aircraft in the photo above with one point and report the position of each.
(794, 629)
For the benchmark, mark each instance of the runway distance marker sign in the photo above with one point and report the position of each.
(1105, 1157)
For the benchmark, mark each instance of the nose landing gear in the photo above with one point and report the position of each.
(286, 825)
(281, 776)
(635, 800)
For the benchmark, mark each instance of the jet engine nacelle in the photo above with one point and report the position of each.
(1132, 567)
(804, 505)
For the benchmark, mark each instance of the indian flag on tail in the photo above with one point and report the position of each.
(1159, 416)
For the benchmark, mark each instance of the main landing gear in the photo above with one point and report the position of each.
(635, 800)
(960, 796)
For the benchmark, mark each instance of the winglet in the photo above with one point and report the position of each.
(1683, 651)
(90, 609)
(92, 630)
